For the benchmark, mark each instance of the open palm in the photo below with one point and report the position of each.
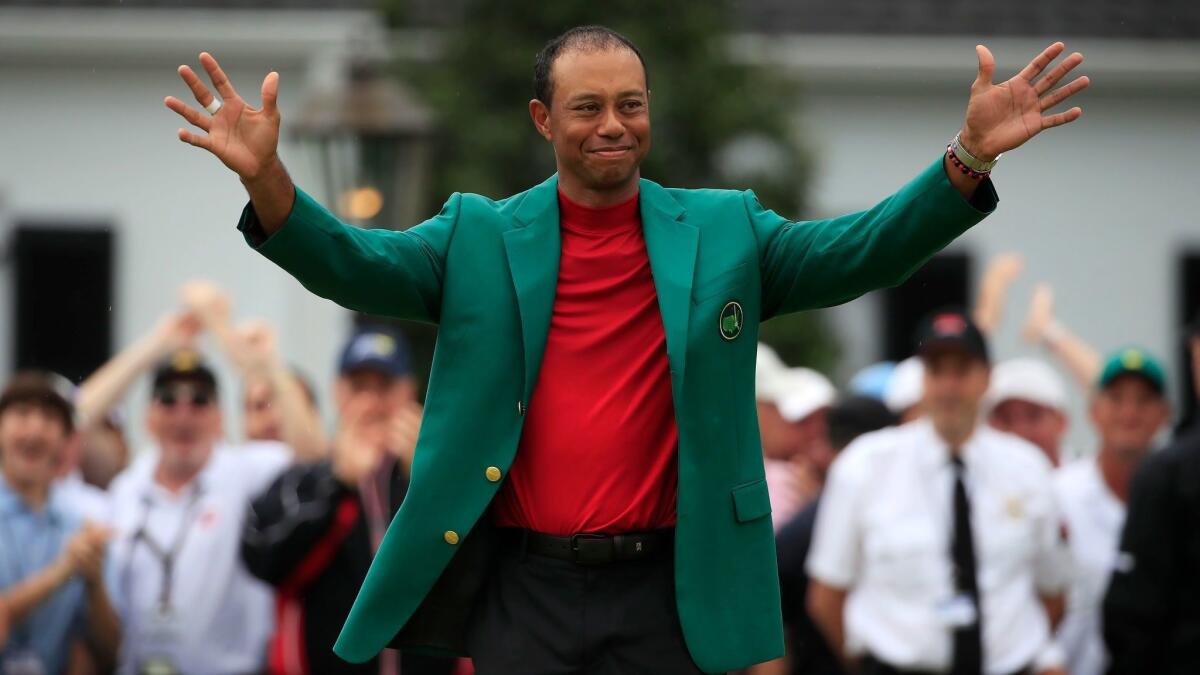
(1001, 117)
(245, 139)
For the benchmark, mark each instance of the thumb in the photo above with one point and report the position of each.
(987, 65)
(270, 92)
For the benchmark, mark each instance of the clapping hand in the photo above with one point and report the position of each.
(1001, 117)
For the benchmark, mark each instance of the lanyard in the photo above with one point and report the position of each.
(166, 556)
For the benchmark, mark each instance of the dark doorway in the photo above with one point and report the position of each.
(1188, 310)
(943, 282)
(63, 296)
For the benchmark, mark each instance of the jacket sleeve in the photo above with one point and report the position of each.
(1139, 602)
(286, 522)
(377, 271)
(820, 263)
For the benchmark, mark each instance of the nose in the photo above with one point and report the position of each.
(610, 126)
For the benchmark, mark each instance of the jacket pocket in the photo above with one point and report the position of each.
(751, 501)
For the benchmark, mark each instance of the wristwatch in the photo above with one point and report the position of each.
(970, 161)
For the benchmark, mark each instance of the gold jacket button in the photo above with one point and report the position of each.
(451, 537)
(492, 473)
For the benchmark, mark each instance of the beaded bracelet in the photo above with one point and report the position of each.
(966, 170)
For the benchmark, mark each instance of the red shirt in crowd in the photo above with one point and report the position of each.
(598, 450)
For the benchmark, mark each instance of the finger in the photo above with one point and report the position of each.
(195, 139)
(199, 89)
(1064, 92)
(1042, 60)
(188, 113)
(987, 65)
(270, 92)
(1049, 121)
(218, 77)
(1051, 78)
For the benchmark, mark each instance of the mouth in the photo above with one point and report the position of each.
(615, 152)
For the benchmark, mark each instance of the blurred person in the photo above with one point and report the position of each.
(936, 547)
(1151, 609)
(74, 493)
(188, 603)
(56, 611)
(792, 406)
(277, 403)
(612, 396)
(905, 390)
(1027, 398)
(313, 533)
(1129, 409)
(808, 652)
(105, 451)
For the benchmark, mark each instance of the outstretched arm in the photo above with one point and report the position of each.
(822, 263)
(382, 272)
(1041, 327)
(1001, 271)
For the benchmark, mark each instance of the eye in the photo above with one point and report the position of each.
(588, 107)
(632, 105)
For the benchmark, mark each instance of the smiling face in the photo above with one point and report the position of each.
(32, 439)
(598, 120)
(1128, 413)
(185, 421)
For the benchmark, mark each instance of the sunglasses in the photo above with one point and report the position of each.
(170, 397)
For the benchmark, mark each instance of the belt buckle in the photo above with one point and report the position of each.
(591, 548)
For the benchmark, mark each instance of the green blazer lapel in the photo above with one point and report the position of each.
(533, 248)
(671, 244)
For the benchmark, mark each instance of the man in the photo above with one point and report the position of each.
(52, 596)
(594, 372)
(1027, 398)
(1128, 410)
(937, 545)
(313, 533)
(188, 603)
(808, 654)
(793, 406)
(1152, 608)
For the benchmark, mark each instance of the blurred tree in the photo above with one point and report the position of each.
(717, 124)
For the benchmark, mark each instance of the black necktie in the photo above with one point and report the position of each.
(968, 640)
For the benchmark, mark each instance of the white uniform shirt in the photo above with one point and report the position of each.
(884, 532)
(220, 618)
(88, 501)
(1094, 518)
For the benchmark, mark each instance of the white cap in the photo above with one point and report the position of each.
(796, 392)
(1026, 379)
(906, 386)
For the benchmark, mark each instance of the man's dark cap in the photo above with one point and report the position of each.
(376, 348)
(185, 365)
(951, 330)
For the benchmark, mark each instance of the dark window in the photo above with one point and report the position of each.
(1188, 310)
(943, 282)
(62, 314)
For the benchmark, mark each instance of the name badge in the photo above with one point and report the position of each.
(959, 611)
(22, 662)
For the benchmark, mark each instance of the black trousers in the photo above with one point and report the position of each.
(870, 666)
(544, 616)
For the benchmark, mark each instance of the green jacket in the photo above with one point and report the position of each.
(485, 271)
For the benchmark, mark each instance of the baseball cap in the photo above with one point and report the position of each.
(872, 380)
(1026, 379)
(1133, 361)
(185, 364)
(796, 392)
(42, 388)
(375, 348)
(951, 329)
(906, 386)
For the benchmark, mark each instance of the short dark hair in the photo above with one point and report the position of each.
(41, 389)
(586, 38)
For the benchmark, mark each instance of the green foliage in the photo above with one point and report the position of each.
(701, 102)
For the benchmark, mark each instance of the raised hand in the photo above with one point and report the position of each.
(245, 139)
(176, 331)
(255, 347)
(1001, 117)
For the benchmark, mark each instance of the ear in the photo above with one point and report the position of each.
(541, 118)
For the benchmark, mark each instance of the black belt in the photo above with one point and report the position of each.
(594, 549)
